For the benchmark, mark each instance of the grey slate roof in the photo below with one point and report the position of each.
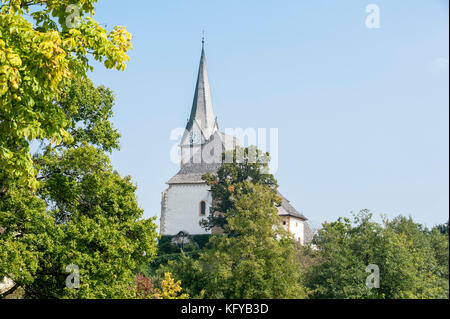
(192, 173)
(202, 111)
(308, 233)
(287, 209)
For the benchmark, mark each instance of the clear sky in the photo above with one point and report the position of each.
(362, 113)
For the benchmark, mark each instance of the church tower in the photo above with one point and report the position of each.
(202, 124)
(188, 199)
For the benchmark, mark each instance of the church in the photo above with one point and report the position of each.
(187, 199)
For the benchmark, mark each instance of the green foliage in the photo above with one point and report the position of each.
(167, 251)
(254, 258)
(190, 271)
(84, 213)
(443, 228)
(165, 245)
(88, 111)
(413, 262)
(242, 164)
(39, 54)
(200, 241)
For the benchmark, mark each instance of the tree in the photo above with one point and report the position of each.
(443, 228)
(254, 257)
(169, 289)
(43, 44)
(428, 253)
(440, 245)
(247, 164)
(401, 249)
(88, 111)
(84, 214)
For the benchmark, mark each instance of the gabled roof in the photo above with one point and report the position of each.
(286, 209)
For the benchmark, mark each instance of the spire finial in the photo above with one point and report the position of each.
(203, 37)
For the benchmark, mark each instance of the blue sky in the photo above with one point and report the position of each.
(362, 113)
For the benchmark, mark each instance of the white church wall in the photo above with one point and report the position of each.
(295, 227)
(181, 208)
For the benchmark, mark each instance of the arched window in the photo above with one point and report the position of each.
(202, 208)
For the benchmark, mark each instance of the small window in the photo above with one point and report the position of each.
(202, 208)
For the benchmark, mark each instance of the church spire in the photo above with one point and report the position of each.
(202, 117)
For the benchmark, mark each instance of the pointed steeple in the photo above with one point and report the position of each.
(202, 117)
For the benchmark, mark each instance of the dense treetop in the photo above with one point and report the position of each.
(84, 213)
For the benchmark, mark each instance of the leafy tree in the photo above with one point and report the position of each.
(440, 245)
(254, 257)
(429, 252)
(239, 165)
(84, 214)
(88, 111)
(190, 271)
(43, 44)
(340, 272)
(409, 265)
(443, 228)
(169, 289)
